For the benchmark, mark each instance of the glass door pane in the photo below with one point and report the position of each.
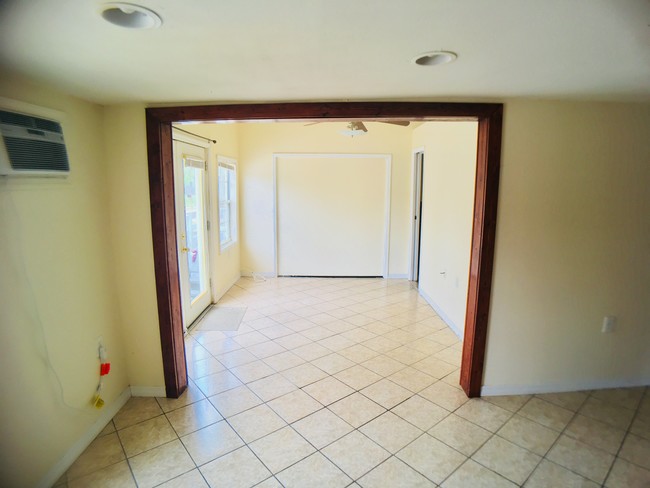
(194, 232)
(191, 197)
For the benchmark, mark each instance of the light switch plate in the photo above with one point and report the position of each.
(609, 324)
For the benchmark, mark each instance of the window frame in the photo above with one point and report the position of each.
(229, 164)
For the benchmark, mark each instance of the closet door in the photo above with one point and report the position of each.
(332, 215)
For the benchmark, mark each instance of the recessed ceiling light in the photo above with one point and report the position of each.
(435, 58)
(130, 16)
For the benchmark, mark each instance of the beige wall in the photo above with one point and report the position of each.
(258, 142)
(58, 297)
(572, 242)
(127, 183)
(225, 265)
(447, 210)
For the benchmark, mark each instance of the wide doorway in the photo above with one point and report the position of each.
(159, 125)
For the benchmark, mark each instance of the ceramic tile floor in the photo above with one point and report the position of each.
(354, 382)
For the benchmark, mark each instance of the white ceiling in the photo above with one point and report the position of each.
(262, 50)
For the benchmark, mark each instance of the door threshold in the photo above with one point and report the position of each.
(198, 319)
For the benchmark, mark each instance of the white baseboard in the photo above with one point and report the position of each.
(498, 390)
(56, 471)
(271, 274)
(441, 313)
(265, 274)
(148, 391)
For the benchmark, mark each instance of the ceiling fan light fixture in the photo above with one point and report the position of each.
(354, 129)
(130, 16)
(435, 58)
(353, 132)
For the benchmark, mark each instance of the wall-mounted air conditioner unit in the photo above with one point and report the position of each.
(31, 146)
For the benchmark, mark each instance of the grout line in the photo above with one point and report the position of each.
(625, 436)
(382, 376)
(575, 414)
(330, 292)
(245, 445)
(490, 437)
(135, 480)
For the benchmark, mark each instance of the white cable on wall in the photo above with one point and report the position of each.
(257, 277)
(15, 260)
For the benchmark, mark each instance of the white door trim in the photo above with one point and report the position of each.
(388, 158)
(414, 197)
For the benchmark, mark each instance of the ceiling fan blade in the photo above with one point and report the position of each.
(360, 126)
(403, 123)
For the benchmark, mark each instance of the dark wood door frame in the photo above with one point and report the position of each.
(163, 220)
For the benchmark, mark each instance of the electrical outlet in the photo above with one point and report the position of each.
(609, 324)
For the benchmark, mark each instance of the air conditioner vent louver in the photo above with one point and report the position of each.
(32, 146)
(16, 119)
(48, 125)
(36, 155)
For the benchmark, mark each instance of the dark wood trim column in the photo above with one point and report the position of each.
(482, 255)
(163, 229)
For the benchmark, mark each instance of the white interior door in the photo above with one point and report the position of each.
(191, 194)
(332, 214)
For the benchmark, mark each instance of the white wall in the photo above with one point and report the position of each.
(572, 245)
(58, 297)
(447, 215)
(258, 142)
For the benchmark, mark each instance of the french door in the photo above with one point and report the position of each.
(191, 196)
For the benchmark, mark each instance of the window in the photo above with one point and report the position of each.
(227, 202)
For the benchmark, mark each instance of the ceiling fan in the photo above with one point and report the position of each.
(355, 128)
